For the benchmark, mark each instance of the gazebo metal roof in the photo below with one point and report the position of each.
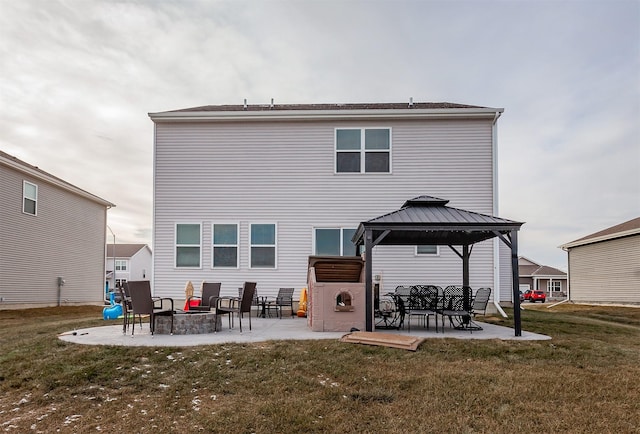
(428, 220)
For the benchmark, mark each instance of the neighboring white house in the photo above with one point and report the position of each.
(534, 276)
(249, 192)
(604, 267)
(52, 238)
(132, 262)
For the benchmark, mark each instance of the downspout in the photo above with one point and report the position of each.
(496, 242)
(568, 281)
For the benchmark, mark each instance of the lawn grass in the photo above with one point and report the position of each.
(585, 380)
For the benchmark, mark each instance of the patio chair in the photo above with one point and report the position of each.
(208, 298)
(127, 309)
(423, 300)
(257, 302)
(143, 304)
(480, 301)
(283, 299)
(238, 305)
(456, 306)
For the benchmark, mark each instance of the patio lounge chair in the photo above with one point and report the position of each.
(143, 304)
(238, 305)
(208, 299)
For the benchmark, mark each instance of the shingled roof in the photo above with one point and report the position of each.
(631, 227)
(334, 106)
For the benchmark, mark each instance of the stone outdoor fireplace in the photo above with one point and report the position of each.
(336, 293)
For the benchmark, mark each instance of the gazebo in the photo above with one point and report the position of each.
(428, 220)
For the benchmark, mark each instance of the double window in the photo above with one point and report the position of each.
(188, 252)
(29, 198)
(554, 286)
(121, 265)
(263, 245)
(225, 245)
(363, 150)
(334, 242)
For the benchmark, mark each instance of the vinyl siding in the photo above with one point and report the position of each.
(283, 173)
(66, 238)
(606, 272)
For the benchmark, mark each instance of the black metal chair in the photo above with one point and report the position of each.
(208, 298)
(480, 302)
(456, 305)
(283, 299)
(143, 304)
(238, 305)
(423, 301)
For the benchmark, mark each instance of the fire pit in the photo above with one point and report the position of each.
(188, 323)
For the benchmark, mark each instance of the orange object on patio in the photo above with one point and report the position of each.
(302, 304)
(190, 303)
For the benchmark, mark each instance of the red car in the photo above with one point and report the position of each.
(537, 295)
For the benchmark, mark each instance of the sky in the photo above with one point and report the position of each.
(79, 77)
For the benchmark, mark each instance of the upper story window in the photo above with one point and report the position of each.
(121, 265)
(334, 242)
(225, 245)
(427, 250)
(363, 150)
(188, 250)
(263, 245)
(29, 198)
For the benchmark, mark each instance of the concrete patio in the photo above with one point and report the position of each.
(266, 329)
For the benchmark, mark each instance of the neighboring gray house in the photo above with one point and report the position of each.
(604, 267)
(534, 276)
(248, 192)
(50, 232)
(132, 262)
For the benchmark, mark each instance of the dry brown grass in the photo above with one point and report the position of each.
(587, 379)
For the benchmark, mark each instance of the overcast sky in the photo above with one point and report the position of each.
(78, 77)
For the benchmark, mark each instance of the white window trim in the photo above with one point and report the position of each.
(427, 254)
(251, 245)
(126, 265)
(237, 245)
(362, 151)
(176, 245)
(341, 228)
(24, 196)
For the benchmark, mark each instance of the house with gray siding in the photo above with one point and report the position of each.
(127, 262)
(538, 277)
(52, 239)
(249, 192)
(604, 267)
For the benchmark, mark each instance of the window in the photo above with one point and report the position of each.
(188, 245)
(121, 265)
(263, 245)
(363, 150)
(30, 198)
(120, 282)
(225, 245)
(427, 250)
(554, 285)
(334, 242)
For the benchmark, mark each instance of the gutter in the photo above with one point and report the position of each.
(496, 241)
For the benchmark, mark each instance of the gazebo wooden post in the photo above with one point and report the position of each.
(368, 271)
(465, 265)
(517, 322)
